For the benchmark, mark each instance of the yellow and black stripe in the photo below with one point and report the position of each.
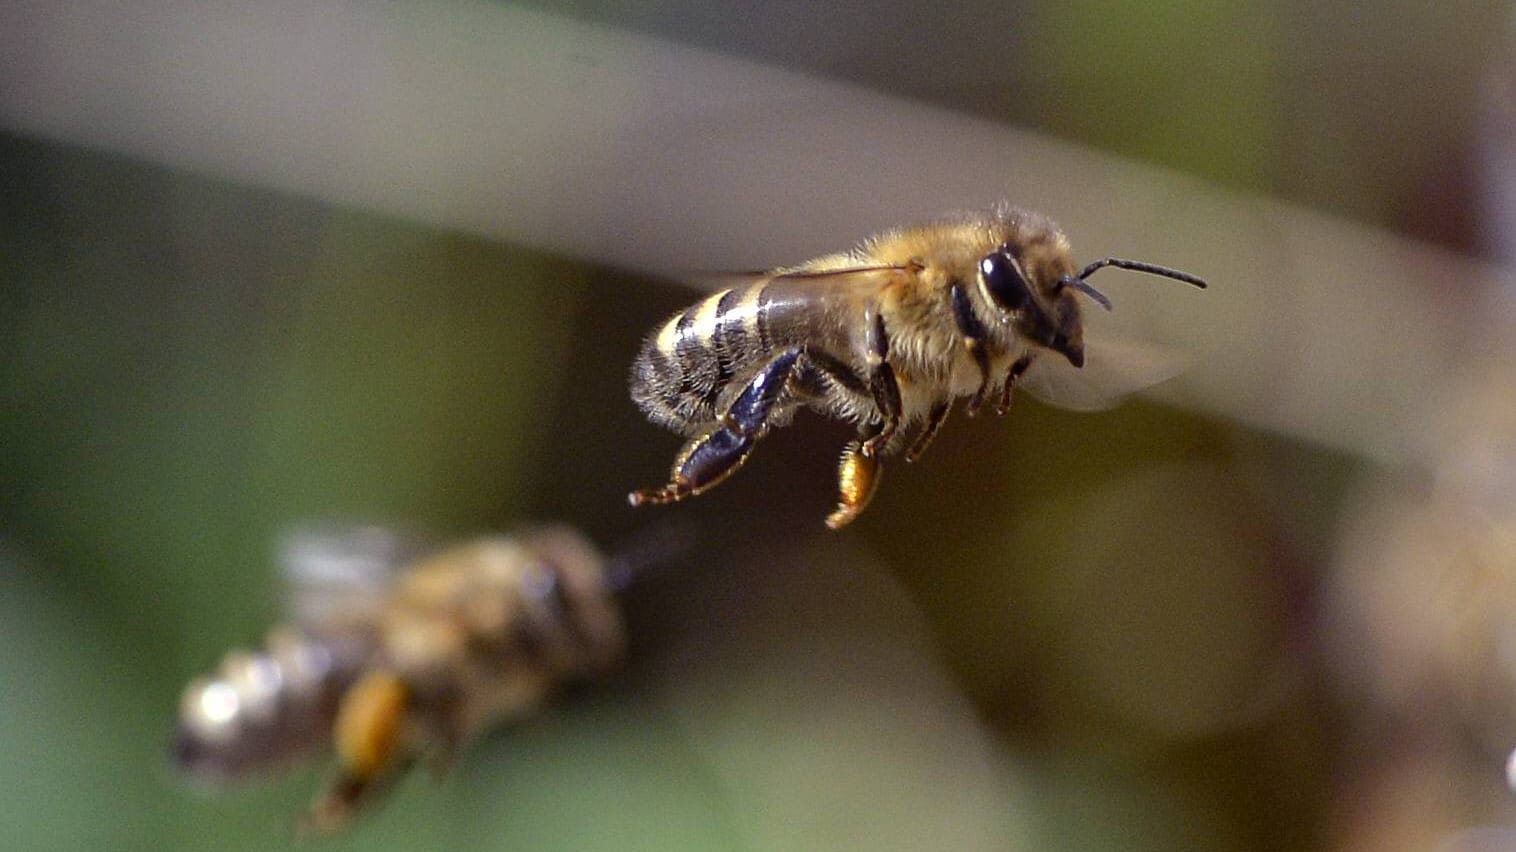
(683, 368)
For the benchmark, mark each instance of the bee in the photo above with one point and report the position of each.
(886, 336)
(388, 667)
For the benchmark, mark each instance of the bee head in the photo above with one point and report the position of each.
(1035, 293)
(1040, 294)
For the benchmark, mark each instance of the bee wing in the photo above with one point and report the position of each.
(813, 273)
(843, 269)
(341, 573)
(1113, 369)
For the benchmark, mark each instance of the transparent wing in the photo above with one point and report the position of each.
(820, 269)
(336, 572)
(1113, 369)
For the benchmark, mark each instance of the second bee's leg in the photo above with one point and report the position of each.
(857, 479)
(446, 735)
(883, 386)
(707, 459)
(368, 737)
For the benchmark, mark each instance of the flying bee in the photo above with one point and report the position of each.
(887, 336)
(389, 666)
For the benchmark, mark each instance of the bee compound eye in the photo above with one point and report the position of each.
(1003, 280)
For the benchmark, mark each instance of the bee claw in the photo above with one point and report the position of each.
(334, 810)
(875, 445)
(671, 493)
(1003, 407)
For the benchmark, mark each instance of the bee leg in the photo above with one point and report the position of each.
(974, 333)
(933, 423)
(446, 737)
(367, 736)
(1011, 376)
(858, 475)
(883, 386)
(335, 809)
(707, 459)
(702, 462)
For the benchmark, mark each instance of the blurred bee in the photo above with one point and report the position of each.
(886, 336)
(387, 667)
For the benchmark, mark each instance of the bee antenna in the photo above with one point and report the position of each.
(647, 551)
(1137, 266)
(1084, 287)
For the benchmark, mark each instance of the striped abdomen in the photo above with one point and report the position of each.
(690, 360)
(263, 708)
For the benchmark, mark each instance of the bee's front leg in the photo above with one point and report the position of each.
(974, 335)
(1011, 376)
(934, 422)
(707, 459)
(883, 386)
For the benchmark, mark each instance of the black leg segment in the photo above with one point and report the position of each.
(883, 386)
(934, 422)
(974, 333)
(750, 410)
(709, 458)
(1012, 375)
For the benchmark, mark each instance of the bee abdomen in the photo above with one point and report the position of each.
(264, 708)
(683, 368)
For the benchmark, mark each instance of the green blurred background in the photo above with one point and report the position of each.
(1058, 631)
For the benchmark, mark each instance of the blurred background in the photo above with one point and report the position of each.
(268, 265)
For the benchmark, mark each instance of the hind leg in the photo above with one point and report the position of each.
(858, 474)
(369, 738)
(707, 459)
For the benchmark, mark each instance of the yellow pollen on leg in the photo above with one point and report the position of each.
(367, 732)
